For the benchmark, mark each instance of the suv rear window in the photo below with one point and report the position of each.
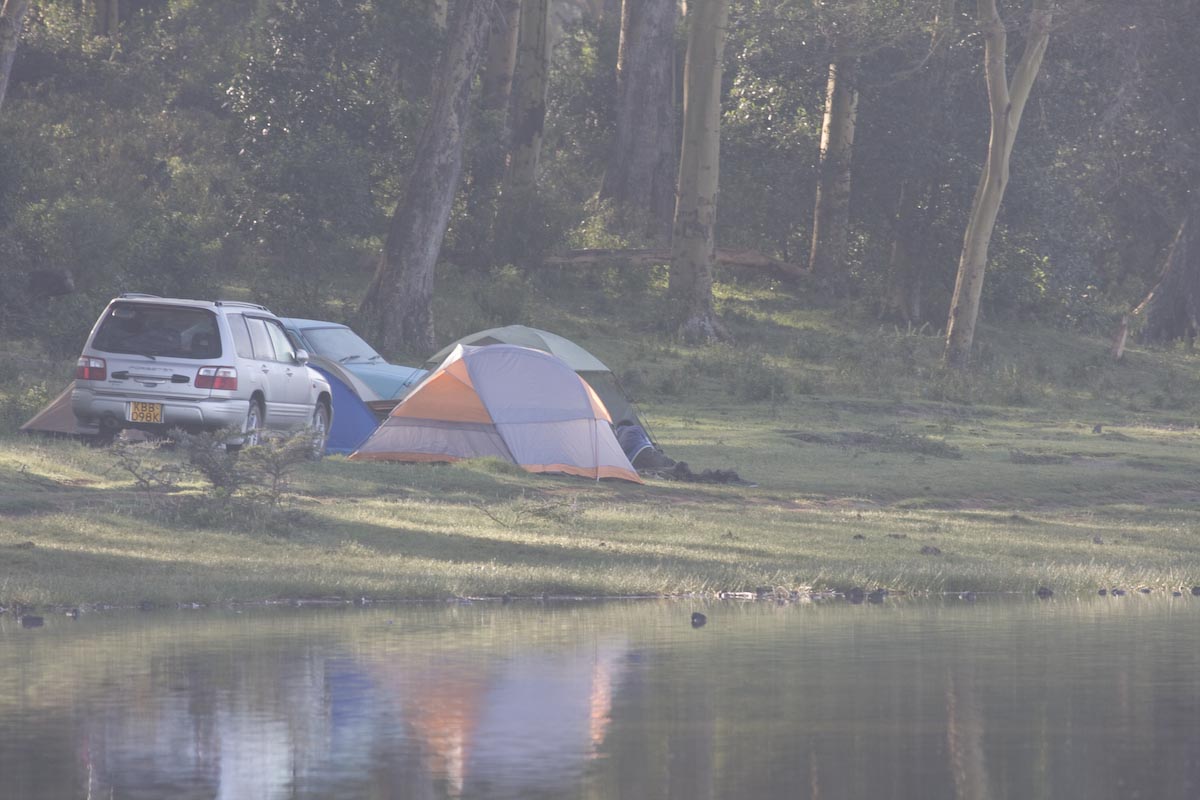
(148, 330)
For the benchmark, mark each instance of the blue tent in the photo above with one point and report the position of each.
(353, 421)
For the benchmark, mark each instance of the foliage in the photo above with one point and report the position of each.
(257, 150)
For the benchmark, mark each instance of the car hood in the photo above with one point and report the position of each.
(390, 381)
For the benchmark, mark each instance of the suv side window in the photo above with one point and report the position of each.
(260, 339)
(283, 347)
(241, 337)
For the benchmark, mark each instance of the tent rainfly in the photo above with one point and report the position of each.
(590, 368)
(521, 405)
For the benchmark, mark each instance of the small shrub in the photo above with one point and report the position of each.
(136, 459)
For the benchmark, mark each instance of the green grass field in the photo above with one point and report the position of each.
(870, 467)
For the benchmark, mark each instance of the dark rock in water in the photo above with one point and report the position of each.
(30, 621)
(856, 595)
(1118, 592)
(930, 550)
(1176, 593)
(859, 536)
(698, 619)
(1103, 592)
(1044, 592)
(1144, 589)
(1196, 591)
(763, 591)
(877, 596)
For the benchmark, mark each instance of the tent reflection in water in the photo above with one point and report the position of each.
(521, 405)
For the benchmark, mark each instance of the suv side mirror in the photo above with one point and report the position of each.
(301, 356)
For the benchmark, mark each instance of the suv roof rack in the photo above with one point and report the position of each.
(137, 294)
(241, 304)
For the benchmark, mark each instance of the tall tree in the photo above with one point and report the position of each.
(527, 118)
(640, 177)
(501, 56)
(693, 242)
(907, 269)
(107, 19)
(398, 306)
(12, 17)
(1006, 104)
(831, 216)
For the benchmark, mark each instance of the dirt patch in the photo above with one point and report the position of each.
(886, 442)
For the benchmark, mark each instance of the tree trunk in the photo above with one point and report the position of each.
(694, 234)
(905, 277)
(528, 115)
(12, 17)
(831, 217)
(1006, 103)
(501, 57)
(397, 307)
(490, 152)
(106, 18)
(907, 268)
(1173, 307)
(640, 176)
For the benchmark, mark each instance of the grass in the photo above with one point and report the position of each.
(872, 466)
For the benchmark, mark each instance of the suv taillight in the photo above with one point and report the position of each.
(216, 378)
(90, 368)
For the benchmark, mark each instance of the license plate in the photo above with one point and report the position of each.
(145, 412)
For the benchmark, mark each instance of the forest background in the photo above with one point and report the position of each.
(276, 148)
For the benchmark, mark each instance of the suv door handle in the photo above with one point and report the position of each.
(264, 369)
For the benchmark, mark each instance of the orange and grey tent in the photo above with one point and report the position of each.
(521, 405)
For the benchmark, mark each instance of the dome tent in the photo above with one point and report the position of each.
(518, 404)
(590, 368)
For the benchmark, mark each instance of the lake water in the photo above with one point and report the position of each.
(1000, 698)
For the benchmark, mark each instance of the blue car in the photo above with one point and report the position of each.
(342, 346)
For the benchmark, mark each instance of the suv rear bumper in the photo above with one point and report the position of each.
(95, 411)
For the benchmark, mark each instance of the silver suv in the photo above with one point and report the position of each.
(157, 363)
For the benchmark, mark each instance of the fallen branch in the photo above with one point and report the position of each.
(652, 256)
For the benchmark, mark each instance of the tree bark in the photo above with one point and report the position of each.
(528, 115)
(397, 307)
(1006, 103)
(12, 17)
(106, 17)
(640, 177)
(694, 233)
(501, 57)
(1173, 307)
(831, 217)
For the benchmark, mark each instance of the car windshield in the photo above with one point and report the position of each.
(159, 331)
(340, 344)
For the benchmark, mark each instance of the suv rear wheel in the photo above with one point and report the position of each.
(251, 430)
(320, 431)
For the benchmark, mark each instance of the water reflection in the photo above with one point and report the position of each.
(919, 700)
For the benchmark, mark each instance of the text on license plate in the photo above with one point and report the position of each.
(145, 412)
